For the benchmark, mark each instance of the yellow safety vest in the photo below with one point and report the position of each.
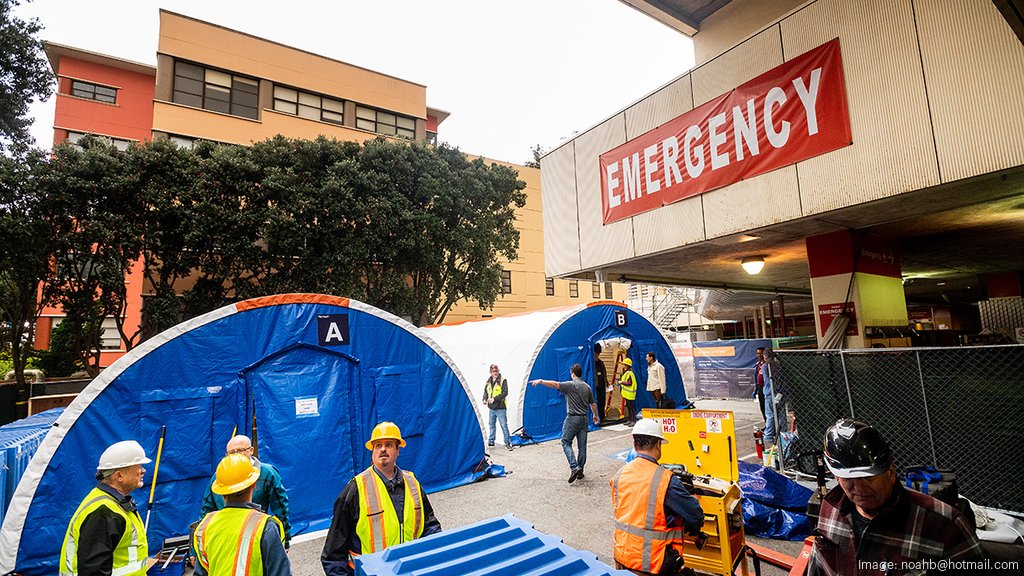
(378, 526)
(628, 381)
(227, 541)
(132, 549)
(493, 389)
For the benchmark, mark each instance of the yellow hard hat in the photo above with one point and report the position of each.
(234, 474)
(627, 361)
(385, 430)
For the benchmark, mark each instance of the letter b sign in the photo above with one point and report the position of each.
(620, 319)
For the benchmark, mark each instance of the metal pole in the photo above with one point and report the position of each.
(744, 327)
(771, 318)
(927, 419)
(846, 380)
(782, 315)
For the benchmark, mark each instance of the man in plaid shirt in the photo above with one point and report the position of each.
(870, 524)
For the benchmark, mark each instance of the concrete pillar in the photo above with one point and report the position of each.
(865, 267)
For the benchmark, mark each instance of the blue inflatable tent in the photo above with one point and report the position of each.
(545, 344)
(308, 376)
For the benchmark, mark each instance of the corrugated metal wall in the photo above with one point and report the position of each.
(967, 91)
(561, 225)
(917, 73)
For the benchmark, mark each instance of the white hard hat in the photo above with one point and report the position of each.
(122, 455)
(649, 427)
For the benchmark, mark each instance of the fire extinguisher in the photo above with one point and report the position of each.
(759, 443)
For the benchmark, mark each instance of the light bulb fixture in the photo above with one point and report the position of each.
(752, 264)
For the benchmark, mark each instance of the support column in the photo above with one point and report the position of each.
(863, 266)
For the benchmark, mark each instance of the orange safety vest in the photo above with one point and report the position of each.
(638, 506)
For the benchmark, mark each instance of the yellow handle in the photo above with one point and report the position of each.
(156, 469)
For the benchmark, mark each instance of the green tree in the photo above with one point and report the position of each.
(536, 152)
(27, 244)
(24, 76)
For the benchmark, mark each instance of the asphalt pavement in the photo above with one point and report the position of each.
(536, 490)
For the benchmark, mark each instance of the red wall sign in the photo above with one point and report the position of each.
(792, 112)
(828, 312)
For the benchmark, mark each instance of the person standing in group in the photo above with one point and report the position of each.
(495, 391)
(655, 379)
(601, 378)
(627, 386)
(238, 538)
(366, 513)
(578, 398)
(651, 508)
(106, 535)
(759, 377)
(268, 491)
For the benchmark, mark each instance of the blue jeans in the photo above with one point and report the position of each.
(575, 426)
(502, 417)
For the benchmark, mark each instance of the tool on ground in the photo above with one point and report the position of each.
(156, 470)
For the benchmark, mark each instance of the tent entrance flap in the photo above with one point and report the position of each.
(303, 400)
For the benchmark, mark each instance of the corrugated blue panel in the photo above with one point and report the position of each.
(19, 441)
(503, 546)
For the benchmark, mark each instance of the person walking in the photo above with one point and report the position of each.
(627, 386)
(759, 381)
(651, 508)
(238, 539)
(578, 397)
(268, 491)
(106, 535)
(366, 513)
(655, 379)
(495, 391)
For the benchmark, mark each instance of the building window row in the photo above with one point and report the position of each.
(574, 289)
(506, 281)
(385, 123)
(595, 290)
(310, 106)
(216, 91)
(93, 91)
(549, 286)
(119, 143)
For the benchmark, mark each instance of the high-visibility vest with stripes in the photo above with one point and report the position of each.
(378, 526)
(131, 551)
(493, 389)
(227, 541)
(628, 381)
(638, 505)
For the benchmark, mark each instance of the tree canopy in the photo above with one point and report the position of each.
(24, 76)
(405, 226)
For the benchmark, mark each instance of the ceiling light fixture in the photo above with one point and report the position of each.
(752, 264)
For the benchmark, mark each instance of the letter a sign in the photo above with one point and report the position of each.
(620, 319)
(332, 329)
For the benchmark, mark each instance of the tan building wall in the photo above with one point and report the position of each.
(528, 278)
(917, 75)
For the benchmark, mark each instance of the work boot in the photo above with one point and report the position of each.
(580, 476)
(575, 474)
(509, 447)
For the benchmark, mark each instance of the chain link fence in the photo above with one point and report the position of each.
(952, 408)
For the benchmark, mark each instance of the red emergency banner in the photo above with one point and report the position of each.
(792, 112)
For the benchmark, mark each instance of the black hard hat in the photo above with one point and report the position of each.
(853, 449)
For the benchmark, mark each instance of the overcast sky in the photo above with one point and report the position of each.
(513, 73)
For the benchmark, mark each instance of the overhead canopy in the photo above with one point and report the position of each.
(545, 344)
(317, 372)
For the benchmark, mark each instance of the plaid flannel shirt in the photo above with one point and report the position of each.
(912, 527)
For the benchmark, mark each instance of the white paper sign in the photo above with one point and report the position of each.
(305, 407)
(714, 426)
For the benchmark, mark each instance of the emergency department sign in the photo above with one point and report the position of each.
(793, 112)
(332, 329)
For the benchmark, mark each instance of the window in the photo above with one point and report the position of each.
(120, 144)
(432, 138)
(310, 106)
(506, 281)
(386, 123)
(215, 90)
(93, 91)
(595, 290)
(110, 338)
(608, 290)
(549, 286)
(574, 289)
(182, 141)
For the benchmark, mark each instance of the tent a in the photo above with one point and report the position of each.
(308, 376)
(545, 344)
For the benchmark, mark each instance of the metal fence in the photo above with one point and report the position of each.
(955, 408)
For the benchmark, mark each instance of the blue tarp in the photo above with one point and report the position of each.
(317, 372)
(19, 441)
(500, 546)
(773, 506)
(573, 342)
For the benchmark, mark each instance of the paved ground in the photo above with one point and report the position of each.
(536, 490)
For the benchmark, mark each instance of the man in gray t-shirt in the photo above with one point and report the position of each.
(578, 397)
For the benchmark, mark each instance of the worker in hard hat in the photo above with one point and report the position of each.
(871, 520)
(651, 508)
(366, 513)
(268, 491)
(627, 386)
(106, 535)
(240, 534)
